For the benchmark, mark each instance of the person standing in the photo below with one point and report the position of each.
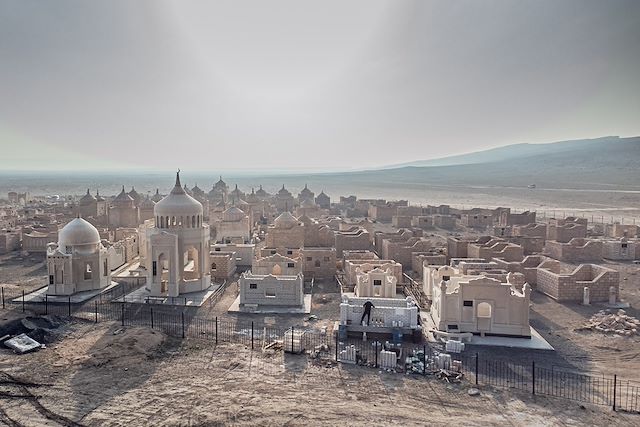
(367, 311)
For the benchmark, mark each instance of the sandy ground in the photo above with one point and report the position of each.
(105, 375)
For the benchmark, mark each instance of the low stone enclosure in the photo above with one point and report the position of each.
(569, 286)
(576, 250)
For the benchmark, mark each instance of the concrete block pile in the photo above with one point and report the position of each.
(619, 323)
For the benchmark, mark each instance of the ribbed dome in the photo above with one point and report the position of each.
(233, 214)
(78, 232)
(285, 220)
(177, 203)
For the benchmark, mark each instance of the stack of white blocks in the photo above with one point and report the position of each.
(388, 359)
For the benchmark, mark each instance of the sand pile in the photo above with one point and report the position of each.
(619, 323)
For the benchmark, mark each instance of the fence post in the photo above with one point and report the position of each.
(122, 314)
(291, 339)
(424, 360)
(182, 315)
(477, 363)
(69, 305)
(3, 298)
(216, 329)
(336, 346)
(375, 346)
(615, 386)
(533, 377)
(23, 300)
(46, 304)
(96, 304)
(252, 335)
(151, 317)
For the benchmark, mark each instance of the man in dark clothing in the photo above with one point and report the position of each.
(367, 312)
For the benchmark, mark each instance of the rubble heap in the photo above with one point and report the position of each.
(619, 323)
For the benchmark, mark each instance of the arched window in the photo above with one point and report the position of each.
(173, 221)
(484, 310)
(180, 223)
(213, 266)
(193, 221)
(161, 222)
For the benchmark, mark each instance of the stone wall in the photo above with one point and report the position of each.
(570, 287)
(577, 250)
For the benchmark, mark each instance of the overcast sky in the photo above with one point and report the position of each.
(307, 85)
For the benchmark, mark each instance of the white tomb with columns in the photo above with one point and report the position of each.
(178, 246)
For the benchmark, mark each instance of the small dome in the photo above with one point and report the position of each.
(177, 203)
(233, 214)
(285, 220)
(78, 232)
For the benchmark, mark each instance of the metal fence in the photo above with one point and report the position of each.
(415, 358)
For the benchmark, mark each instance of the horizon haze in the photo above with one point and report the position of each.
(289, 86)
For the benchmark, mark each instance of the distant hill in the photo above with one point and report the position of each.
(593, 163)
(515, 151)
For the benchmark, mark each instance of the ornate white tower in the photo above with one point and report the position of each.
(178, 246)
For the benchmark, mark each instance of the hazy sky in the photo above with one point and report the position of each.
(308, 85)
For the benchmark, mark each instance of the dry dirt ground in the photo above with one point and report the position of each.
(104, 375)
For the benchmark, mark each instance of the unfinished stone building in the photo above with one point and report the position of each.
(508, 218)
(401, 221)
(354, 238)
(617, 230)
(495, 248)
(223, 265)
(319, 263)
(621, 249)
(9, 241)
(402, 250)
(458, 247)
(286, 231)
(568, 286)
(435, 256)
(317, 234)
(575, 251)
(424, 222)
(482, 305)
(401, 235)
(563, 230)
(233, 227)
(244, 253)
(308, 208)
(384, 211)
(446, 222)
(528, 267)
(479, 220)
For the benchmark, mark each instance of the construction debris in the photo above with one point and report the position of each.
(22, 344)
(619, 323)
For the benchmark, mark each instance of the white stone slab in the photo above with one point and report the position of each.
(306, 309)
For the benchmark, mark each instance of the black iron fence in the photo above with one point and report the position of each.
(415, 358)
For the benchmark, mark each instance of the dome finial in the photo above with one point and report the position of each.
(178, 178)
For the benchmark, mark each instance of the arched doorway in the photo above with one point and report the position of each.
(191, 267)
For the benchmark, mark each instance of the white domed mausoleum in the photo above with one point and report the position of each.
(178, 246)
(78, 262)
